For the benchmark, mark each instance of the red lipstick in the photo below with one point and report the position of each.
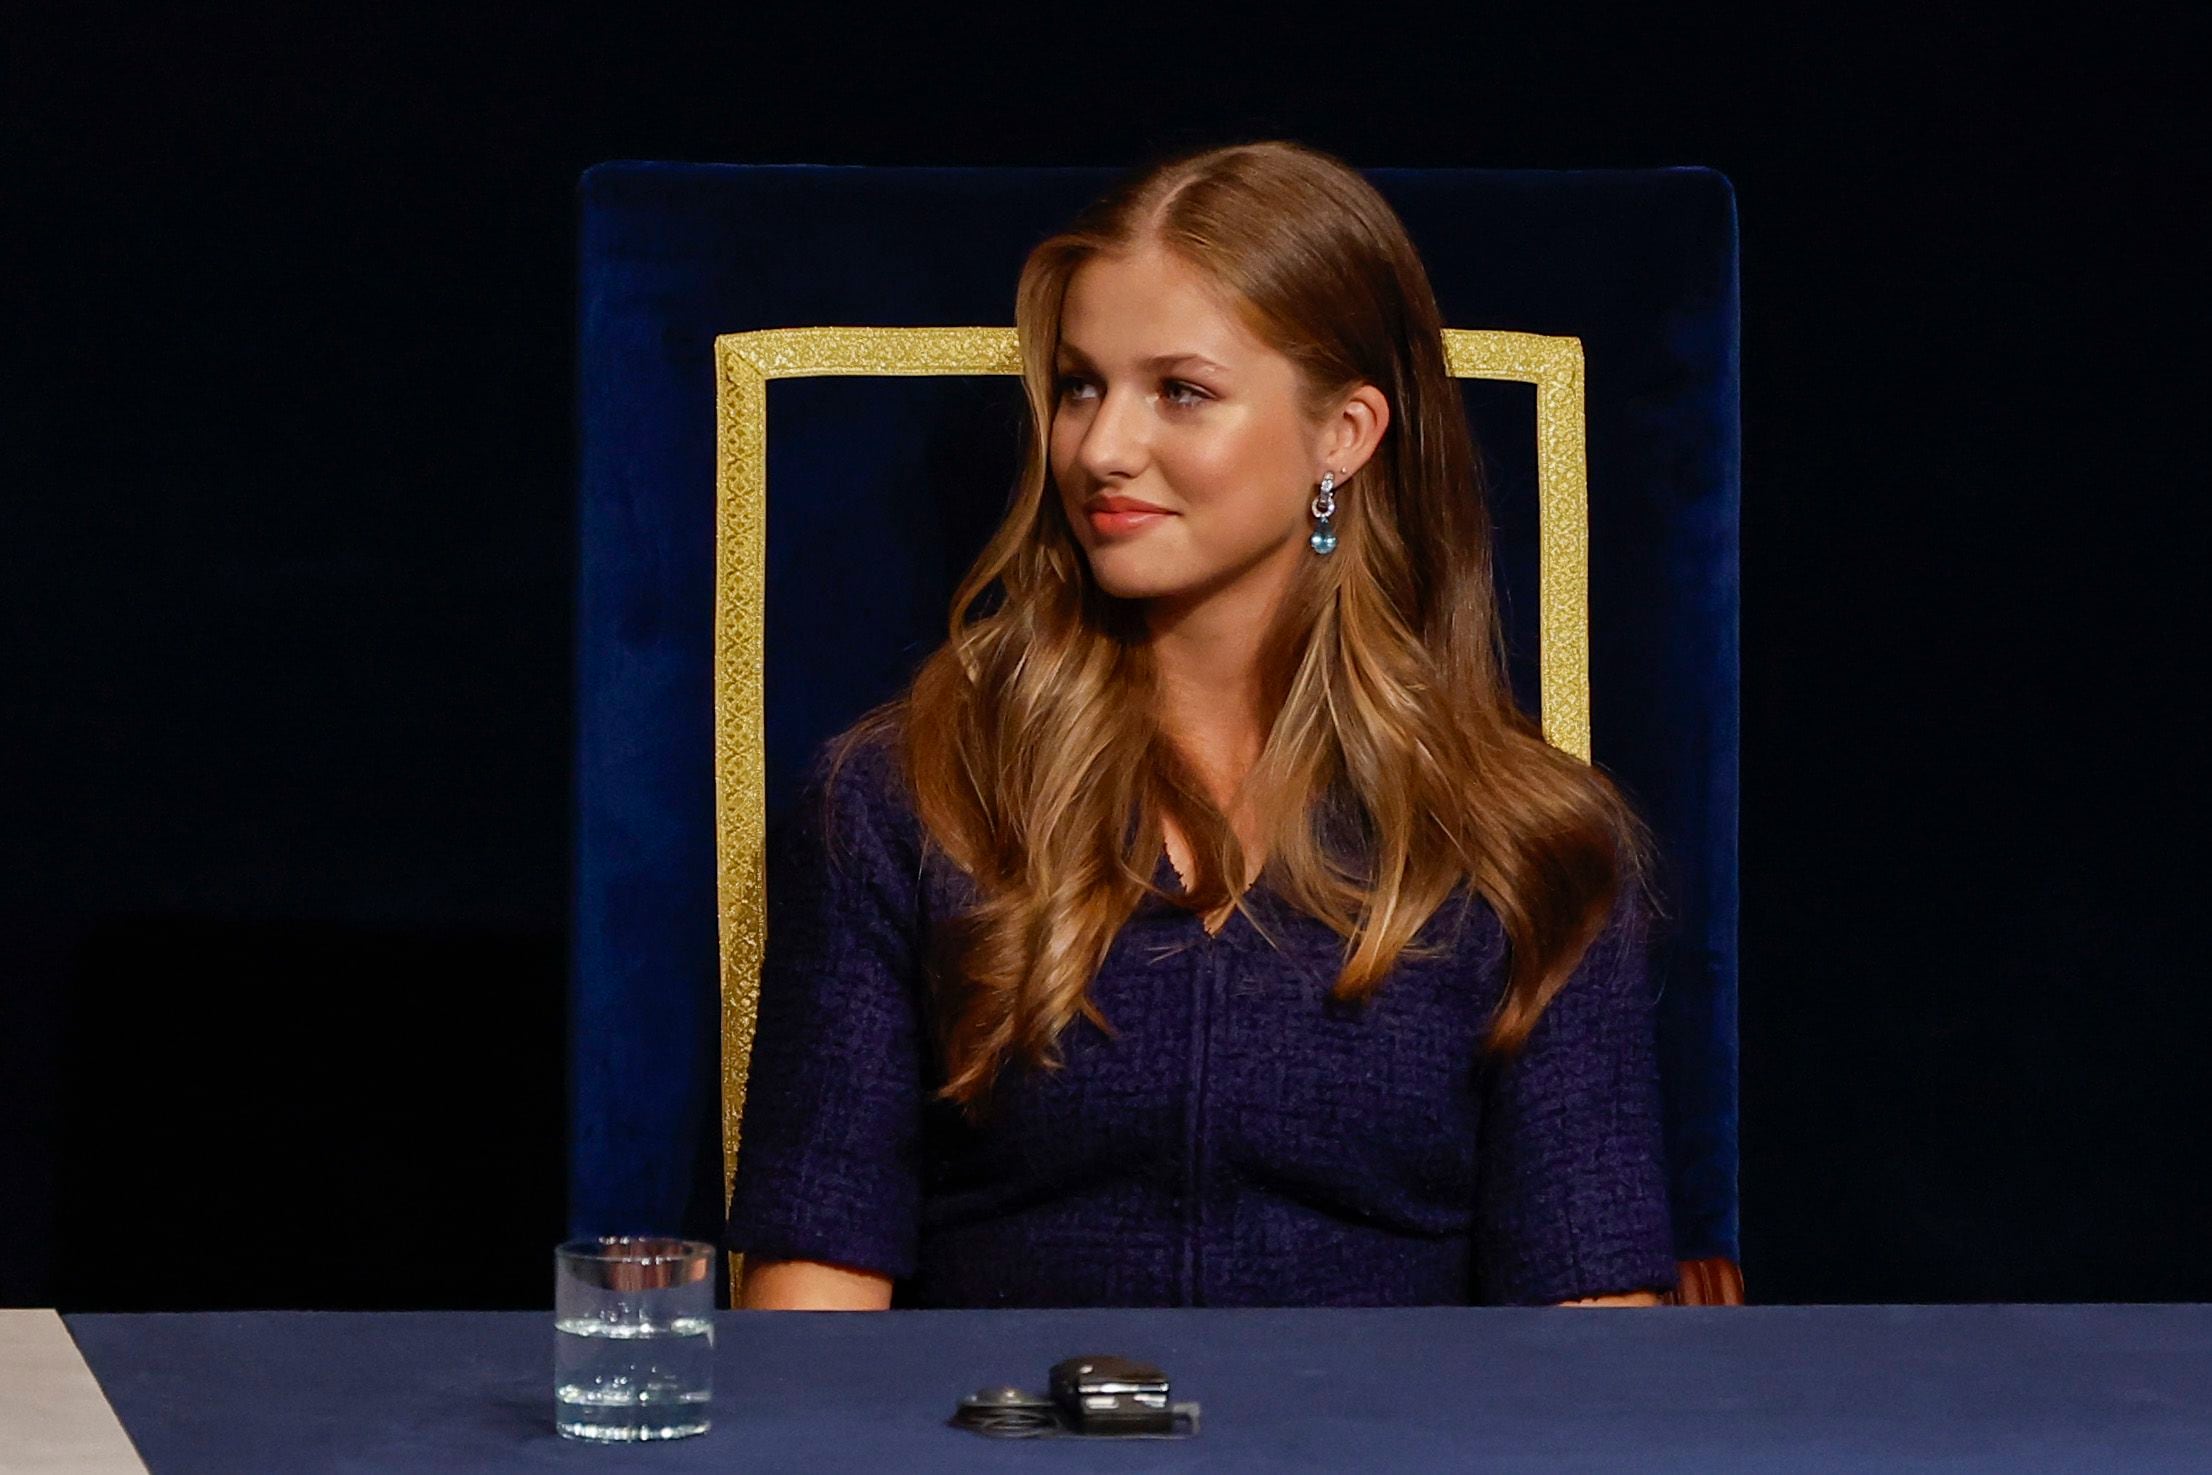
(1116, 515)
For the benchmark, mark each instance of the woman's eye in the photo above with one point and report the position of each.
(1176, 391)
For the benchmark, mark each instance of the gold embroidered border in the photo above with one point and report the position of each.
(745, 362)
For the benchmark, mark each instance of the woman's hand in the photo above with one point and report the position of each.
(810, 1285)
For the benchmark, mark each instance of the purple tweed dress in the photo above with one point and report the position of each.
(1245, 1141)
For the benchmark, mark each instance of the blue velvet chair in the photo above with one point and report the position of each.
(757, 568)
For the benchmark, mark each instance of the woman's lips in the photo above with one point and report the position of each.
(1125, 522)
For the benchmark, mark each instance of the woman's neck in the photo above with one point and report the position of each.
(1206, 652)
(1210, 710)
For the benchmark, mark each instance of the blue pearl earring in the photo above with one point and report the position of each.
(1324, 508)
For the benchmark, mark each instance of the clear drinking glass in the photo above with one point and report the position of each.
(633, 1336)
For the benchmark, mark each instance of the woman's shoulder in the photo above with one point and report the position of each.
(858, 765)
(854, 799)
(857, 777)
(872, 793)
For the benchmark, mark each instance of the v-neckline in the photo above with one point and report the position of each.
(1166, 868)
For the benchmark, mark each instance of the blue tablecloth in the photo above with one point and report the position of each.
(1707, 1389)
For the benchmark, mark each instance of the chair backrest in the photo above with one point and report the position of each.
(758, 567)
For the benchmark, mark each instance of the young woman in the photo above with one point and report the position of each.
(1205, 924)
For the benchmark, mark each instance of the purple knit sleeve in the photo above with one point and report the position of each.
(1572, 1185)
(828, 1163)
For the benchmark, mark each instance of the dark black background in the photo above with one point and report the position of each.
(287, 528)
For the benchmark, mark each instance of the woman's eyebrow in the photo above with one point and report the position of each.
(1157, 361)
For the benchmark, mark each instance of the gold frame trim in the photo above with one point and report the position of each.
(745, 362)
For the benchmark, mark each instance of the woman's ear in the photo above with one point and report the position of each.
(1355, 430)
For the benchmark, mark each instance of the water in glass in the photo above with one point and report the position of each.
(632, 1382)
(633, 1336)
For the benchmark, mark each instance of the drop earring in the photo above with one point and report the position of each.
(1323, 540)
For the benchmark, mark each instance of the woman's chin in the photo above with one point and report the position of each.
(1131, 587)
(1139, 586)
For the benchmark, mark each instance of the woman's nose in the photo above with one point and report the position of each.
(1113, 443)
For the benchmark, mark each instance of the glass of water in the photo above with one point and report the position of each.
(633, 1337)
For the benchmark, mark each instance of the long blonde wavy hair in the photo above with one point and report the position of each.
(1029, 740)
